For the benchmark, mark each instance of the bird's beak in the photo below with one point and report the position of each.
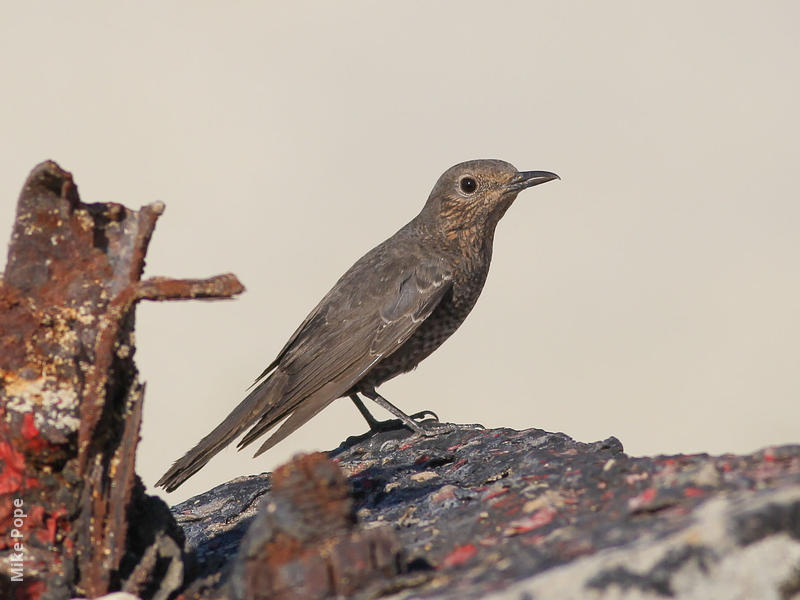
(526, 179)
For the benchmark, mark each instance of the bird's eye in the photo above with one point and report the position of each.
(468, 185)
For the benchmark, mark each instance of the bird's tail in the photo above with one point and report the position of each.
(243, 416)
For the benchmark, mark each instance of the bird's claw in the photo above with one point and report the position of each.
(421, 415)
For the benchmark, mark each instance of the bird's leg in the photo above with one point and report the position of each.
(374, 424)
(407, 420)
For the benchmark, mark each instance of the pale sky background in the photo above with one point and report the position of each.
(652, 294)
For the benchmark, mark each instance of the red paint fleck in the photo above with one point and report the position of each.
(541, 517)
(646, 497)
(405, 447)
(459, 556)
(14, 467)
(28, 428)
(51, 523)
(36, 515)
(495, 493)
(31, 590)
(422, 459)
(649, 494)
(456, 447)
(693, 492)
(42, 535)
(769, 454)
(669, 462)
(458, 464)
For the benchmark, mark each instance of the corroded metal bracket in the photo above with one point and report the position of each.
(70, 399)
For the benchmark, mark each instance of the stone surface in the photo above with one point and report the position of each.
(305, 542)
(530, 514)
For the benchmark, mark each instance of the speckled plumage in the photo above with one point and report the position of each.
(389, 311)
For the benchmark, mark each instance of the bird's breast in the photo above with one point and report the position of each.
(440, 325)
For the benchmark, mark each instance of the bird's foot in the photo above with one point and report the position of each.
(424, 423)
(428, 417)
(430, 429)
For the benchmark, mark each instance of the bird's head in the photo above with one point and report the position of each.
(474, 195)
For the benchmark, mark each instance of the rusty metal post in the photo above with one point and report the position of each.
(70, 398)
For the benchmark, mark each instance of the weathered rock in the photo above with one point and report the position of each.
(305, 542)
(537, 515)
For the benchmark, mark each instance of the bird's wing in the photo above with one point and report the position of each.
(303, 326)
(351, 332)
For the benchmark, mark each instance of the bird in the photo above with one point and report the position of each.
(394, 307)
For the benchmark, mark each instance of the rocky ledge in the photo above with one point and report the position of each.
(500, 513)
